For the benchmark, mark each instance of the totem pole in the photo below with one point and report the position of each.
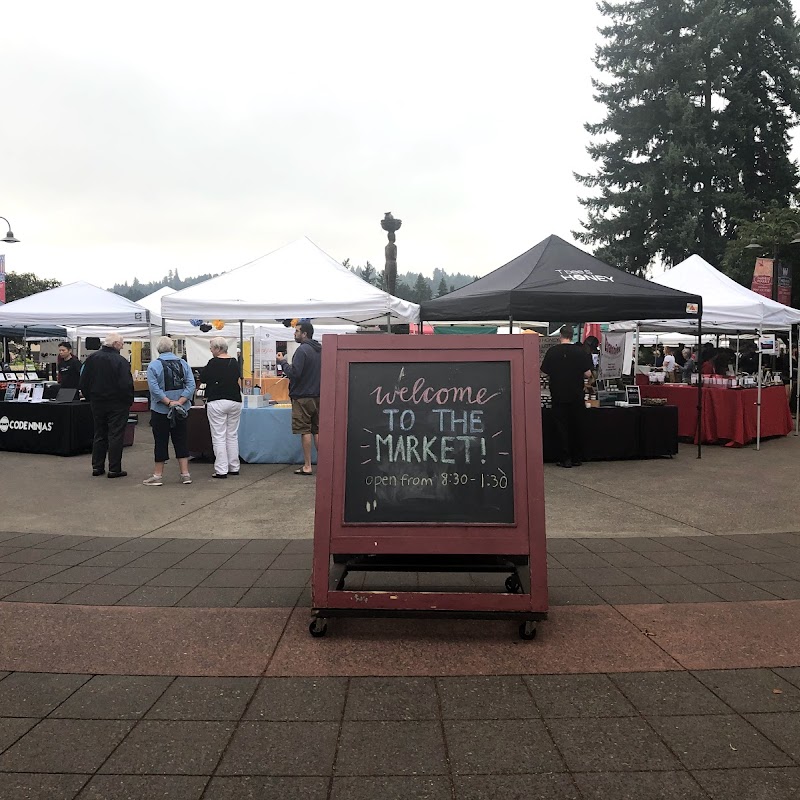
(390, 225)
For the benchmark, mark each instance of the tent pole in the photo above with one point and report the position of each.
(789, 359)
(636, 353)
(737, 352)
(797, 380)
(511, 323)
(241, 349)
(388, 323)
(699, 388)
(758, 401)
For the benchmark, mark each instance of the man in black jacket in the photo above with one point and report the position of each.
(304, 378)
(107, 384)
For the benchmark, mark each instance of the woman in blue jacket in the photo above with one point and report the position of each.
(171, 385)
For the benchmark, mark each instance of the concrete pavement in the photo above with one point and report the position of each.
(727, 491)
(155, 644)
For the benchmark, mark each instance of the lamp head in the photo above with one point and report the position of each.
(754, 245)
(9, 237)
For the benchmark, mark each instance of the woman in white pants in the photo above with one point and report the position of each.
(223, 407)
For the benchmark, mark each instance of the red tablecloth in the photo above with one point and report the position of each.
(729, 415)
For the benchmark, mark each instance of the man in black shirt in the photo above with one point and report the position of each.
(567, 365)
(69, 368)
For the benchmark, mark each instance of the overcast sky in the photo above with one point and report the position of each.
(153, 136)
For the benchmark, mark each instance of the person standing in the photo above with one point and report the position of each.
(69, 368)
(669, 363)
(304, 379)
(223, 407)
(567, 365)
(107, 384)
(171, 386)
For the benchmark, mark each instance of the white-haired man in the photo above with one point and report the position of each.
(107, 384)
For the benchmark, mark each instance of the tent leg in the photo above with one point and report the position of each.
(699, 389)
(636, 353)
(758, 401)
(241, 349)
(797, 380)
(790, 355)
(388, 323)
(511, 323)
(737, 353)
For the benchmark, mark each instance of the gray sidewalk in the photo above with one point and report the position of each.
(727, 491)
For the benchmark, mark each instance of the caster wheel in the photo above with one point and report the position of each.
(527, 631)
(513, 585)
(318, 628)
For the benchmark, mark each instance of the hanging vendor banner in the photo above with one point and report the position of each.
(265, 352)
(2, 279)
(612, 355)
(783, 279)
(762, 277)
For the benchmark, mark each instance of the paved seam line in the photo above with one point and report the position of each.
(636, 505)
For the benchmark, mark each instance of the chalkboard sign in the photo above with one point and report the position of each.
(429, 442)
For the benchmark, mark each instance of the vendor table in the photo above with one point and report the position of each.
(265, 436)
(619, 433)
(63, 429)
(729, 415)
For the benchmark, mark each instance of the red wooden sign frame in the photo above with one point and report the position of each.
(524, 538)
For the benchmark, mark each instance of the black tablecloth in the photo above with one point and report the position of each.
(199, 434)
(616, 433)
(63, 429)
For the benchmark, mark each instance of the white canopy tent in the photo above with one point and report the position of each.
(181, 329)
(75, 304)
(297, 280)
(78, 303)
(195, 340)
(728, 307)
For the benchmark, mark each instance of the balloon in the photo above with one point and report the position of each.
(196, 322)
(218, 324)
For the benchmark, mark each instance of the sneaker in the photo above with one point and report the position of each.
(154, 480)
(186, 477)
(217, 475)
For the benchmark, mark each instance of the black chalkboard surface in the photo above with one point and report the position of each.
(429, 442)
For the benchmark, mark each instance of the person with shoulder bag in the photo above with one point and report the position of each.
(171, 385)
(223, 407)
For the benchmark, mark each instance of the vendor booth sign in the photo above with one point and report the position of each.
(768, 344)
(612, 355)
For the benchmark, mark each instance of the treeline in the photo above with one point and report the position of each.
(137, 290)
(411, 286)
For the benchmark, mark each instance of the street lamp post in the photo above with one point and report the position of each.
(391, 226)
(9, 237)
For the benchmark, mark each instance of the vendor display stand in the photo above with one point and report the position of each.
(431, 460)
(62, 429)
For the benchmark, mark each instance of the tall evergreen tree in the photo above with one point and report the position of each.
(442, 290)
(695, 134)
(422, 289)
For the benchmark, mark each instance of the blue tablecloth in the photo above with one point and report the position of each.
(265, 437)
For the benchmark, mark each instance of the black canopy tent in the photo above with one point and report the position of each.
(556, 281)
